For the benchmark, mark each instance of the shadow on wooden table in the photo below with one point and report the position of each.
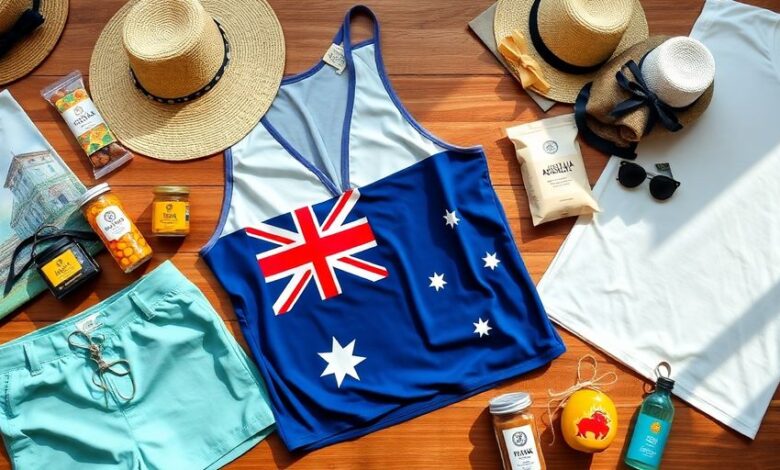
(559, 454)
(282, 457)
(43, 317)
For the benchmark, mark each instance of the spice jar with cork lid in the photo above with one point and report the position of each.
(515, 429)
(116, 229)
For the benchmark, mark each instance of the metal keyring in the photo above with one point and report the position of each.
(667, 366)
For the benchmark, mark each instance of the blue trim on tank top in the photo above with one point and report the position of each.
(295, 154)
(297, 77)
(346, 129)
(380, 67)
(329, 185)
(343, 37)
(227, 196)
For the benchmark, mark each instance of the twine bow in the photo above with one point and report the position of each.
(642, 95)
(515, 50)
(23, 27)
(595, 382)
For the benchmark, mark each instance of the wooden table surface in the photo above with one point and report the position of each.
(453, 86)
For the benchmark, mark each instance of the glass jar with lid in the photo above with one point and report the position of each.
(171, 211)
(515, 429)
(107, 217)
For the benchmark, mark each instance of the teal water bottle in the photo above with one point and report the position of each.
(652, 426)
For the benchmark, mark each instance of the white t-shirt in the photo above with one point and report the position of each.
(694, 280)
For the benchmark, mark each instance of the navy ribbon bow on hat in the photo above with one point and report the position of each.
(26, 24)
(641, 95)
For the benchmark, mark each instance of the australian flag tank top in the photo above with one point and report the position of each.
(370, 264)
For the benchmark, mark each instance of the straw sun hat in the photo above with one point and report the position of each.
(659, 85)
(182, 79)
(570, 40)
(31, 29)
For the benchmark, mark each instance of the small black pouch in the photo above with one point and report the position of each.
(64, 264)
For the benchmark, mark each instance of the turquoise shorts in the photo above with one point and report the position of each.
(148, 379)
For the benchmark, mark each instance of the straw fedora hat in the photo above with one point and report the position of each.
(571, 39)
(29, 30)
(183, 79)
(659, 85)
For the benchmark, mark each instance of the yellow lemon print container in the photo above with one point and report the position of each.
(589, 421)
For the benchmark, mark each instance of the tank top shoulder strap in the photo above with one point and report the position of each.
(344, 34)
(377, 107)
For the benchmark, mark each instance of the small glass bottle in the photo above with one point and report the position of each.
(116, 229)
(652, 427)
(171, 211)
(515, 429)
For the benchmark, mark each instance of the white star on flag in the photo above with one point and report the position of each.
(491, 261)
(482, 327)
(437, 281)
(341, 361)
(450, 218)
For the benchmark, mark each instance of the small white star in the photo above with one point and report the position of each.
(451, 219)
(491, 261)
(482, 327)
(341, 362)
(437, 281)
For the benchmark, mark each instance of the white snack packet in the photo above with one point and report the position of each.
(553, 171)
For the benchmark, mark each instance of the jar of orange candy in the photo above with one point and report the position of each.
(108, 219)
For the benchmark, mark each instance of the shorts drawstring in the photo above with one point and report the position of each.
(94, 344)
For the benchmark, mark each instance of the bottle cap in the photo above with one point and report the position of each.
(170, 189)
(510, 403)
(665, 383)
(93, 192)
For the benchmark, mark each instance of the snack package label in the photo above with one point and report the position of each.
(86, 123)
(61, 268)
(553, 169)
(558, 172)
(113, 223)
(82, 117)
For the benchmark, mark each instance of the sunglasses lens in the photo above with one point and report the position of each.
(662, 187)
(631, 175)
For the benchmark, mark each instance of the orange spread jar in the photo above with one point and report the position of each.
(171, 211)
(116, 229)
(515, 429)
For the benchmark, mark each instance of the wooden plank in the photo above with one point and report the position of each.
(421, 37)
(463, 110)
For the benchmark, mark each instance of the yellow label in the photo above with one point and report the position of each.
(171, 217)
(61, 268)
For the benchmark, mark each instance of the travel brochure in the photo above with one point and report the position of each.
(38, 188)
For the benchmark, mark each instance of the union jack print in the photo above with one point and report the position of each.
(315, 251)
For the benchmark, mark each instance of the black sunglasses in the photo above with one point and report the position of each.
(632, 175)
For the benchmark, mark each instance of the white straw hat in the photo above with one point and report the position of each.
(33, 28)
(679, 71)
(619, 107)
(571, 39)
(182, 79)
